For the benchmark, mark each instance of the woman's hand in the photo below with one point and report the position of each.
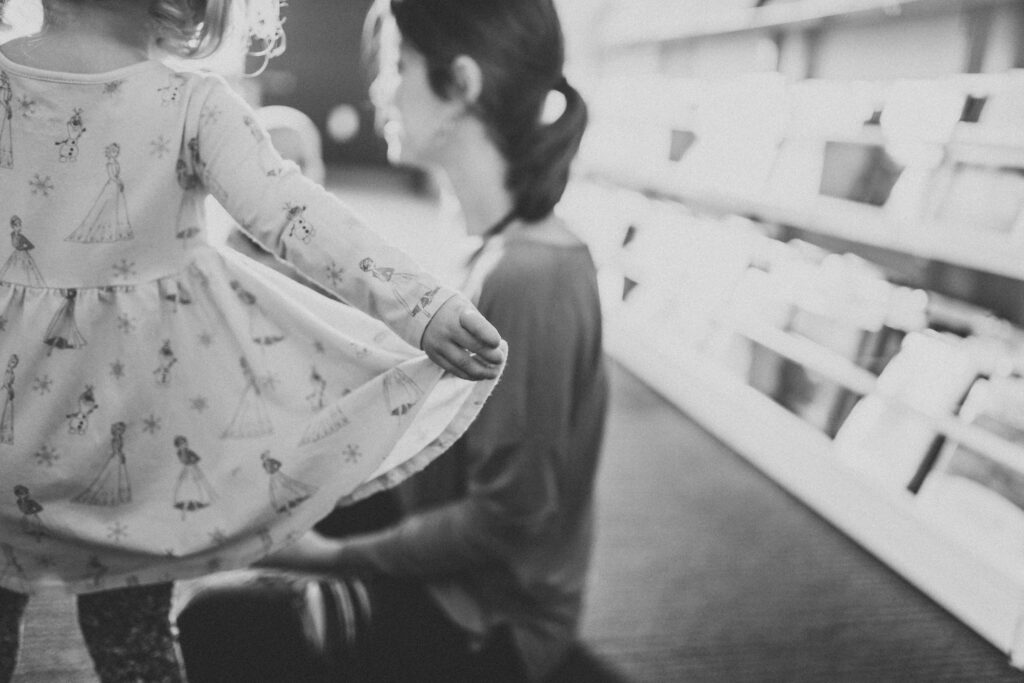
(311, 553)
(463, 342)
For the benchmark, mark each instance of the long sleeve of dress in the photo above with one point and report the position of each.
(299, 221)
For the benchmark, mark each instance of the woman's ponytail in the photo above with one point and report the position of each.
(520, 49)
(539, 162)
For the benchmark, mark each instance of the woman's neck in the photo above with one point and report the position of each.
(477, 175)
(86, 38)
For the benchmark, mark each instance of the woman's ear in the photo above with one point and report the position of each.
(468, 79)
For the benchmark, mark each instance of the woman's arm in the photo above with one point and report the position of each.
(512, 452)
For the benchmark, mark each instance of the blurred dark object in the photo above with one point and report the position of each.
(321, 69)
(858, 172)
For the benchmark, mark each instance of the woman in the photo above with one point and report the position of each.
(482, 578)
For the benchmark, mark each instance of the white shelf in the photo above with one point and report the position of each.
(799, 457)
(858, 223)
(664, 25)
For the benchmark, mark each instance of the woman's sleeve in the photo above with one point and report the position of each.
(300, 222)
(513, 451)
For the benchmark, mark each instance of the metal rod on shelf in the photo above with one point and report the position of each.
(858, 380)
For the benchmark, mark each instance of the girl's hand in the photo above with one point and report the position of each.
(460, 340)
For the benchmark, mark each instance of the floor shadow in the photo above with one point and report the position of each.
(582, 664)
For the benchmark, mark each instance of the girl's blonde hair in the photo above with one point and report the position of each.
(190, 28)
(196, 28)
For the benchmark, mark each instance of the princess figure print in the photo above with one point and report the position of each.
(261, 330)
(250, 418)
(30, 508)
(7, 411)
(6, 114)
(20, 264)
(326, 422)
(78, 421)
(192, 491)
(317, 396)
(111, 486)
(11, 567)
(414, 296)
(62, 333)
(107, 221)
(285, 492)
(264, 152)
(96, 570)
(198, 171)
(69, 145)
(401, 393)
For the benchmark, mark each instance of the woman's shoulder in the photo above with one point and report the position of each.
(540, 262)
(550, 246)
(551, 231)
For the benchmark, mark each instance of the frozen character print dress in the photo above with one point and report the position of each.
(171, 407)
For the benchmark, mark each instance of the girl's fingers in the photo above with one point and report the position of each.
(485, 334)
(486, 354)
(461, 363)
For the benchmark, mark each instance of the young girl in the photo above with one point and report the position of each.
(191, 363)
(483, 577)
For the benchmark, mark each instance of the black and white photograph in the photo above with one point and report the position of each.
(512, 341)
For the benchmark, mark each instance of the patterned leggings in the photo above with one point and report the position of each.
(127, 631)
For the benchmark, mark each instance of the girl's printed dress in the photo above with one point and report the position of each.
(156, 414)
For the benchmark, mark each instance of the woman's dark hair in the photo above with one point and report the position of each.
(520, 49)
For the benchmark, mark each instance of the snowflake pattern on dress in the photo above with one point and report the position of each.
(111, 487)
(20, 263)
(107, 221)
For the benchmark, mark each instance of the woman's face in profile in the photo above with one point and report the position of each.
(416, 120)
